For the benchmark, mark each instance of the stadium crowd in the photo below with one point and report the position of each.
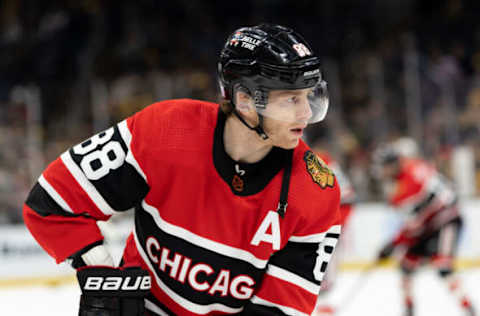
(395, 68)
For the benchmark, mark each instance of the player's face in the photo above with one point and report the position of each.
(390, 170)
(290, 106)
(286, 116)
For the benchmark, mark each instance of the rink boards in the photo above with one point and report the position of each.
(24, 263)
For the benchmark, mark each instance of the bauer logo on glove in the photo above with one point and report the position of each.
(117, 283)
(120, 282)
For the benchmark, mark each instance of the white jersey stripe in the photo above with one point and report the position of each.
(287, 310)
(315, 238)
(323, 257)
(183, 302)
(86, 185)
(446, 240)
(293, 278)
(203, 242)
(53, 193)
(127, 138)
(330, 242)
(154, 308)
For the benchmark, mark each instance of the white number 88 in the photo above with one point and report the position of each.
(106, 163)
(95, 140)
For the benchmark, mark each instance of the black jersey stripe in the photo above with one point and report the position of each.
(256, 309)
(156, 308)
(311, 253)
(288, 259)
(104, 165)
(332, 235)
(423, 204)
(186, 256)
(199, 241)
(43, 204)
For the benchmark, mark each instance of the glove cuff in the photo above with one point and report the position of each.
(97, 256)
(94, 254)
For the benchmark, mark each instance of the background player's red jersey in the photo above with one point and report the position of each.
(426, 195)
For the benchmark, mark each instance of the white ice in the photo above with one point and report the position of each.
(380, 295)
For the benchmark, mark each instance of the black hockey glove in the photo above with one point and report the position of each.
(108, 291)
(386, 251)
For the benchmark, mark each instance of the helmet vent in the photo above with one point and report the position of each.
(275, 49)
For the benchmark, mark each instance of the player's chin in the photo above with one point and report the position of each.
(289, 143)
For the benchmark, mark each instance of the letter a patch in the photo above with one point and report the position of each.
(271, 221)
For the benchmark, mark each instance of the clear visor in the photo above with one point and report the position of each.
(308, 105)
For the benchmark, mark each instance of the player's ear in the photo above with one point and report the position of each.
(243, 102)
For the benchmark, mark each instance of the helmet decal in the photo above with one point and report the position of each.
(245, 40)
(235, 39)
(302, 50)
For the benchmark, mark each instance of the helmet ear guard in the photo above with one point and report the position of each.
(242, 104)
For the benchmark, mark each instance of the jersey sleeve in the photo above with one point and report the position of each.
(91, 181)
(294, 274)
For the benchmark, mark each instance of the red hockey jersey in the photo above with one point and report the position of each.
(426, 195)
(206, 227)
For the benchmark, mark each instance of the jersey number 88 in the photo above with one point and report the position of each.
(97, 163)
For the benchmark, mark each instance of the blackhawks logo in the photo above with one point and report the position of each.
(319, 171)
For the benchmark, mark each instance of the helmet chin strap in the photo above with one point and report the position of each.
(258, 128)
(283, 203)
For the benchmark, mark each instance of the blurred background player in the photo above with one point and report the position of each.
(432, 223)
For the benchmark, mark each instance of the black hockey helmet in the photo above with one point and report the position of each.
(385, 154)
(269, 57)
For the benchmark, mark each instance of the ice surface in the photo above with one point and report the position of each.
(380, 296)
(40, 301)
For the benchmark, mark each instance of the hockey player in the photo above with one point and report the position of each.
(430, 232)
(234, 214)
